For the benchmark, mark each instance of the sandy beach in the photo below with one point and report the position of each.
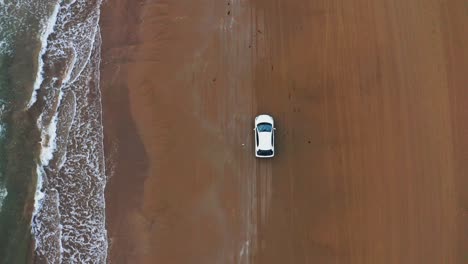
(369, 98)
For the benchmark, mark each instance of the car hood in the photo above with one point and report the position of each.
(263, 119)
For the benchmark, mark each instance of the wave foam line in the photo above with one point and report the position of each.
(48, 146)
(3, 195)
(49, 29)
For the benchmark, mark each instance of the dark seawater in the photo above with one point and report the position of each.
(52, 177)
(20, 25)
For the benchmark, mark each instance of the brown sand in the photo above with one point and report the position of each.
(370, 102)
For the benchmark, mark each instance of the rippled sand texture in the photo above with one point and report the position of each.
(369, 101)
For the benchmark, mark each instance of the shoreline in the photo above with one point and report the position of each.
(120, 135)
(70, 131)
(30, 104)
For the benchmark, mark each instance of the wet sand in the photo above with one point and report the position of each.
(369, 99)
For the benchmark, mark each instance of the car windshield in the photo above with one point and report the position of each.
(261, 152)
(264, 127)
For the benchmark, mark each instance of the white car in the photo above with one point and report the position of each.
(264, 136)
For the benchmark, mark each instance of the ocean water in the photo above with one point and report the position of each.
(52, 174)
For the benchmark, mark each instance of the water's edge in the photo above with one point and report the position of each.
(52, 174)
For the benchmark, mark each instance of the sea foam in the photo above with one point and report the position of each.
(46, 152)
(3, 195)
(69, 223)
(48, 29)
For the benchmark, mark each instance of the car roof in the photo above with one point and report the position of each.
(264, 140)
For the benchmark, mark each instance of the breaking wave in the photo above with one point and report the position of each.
(69, 215)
